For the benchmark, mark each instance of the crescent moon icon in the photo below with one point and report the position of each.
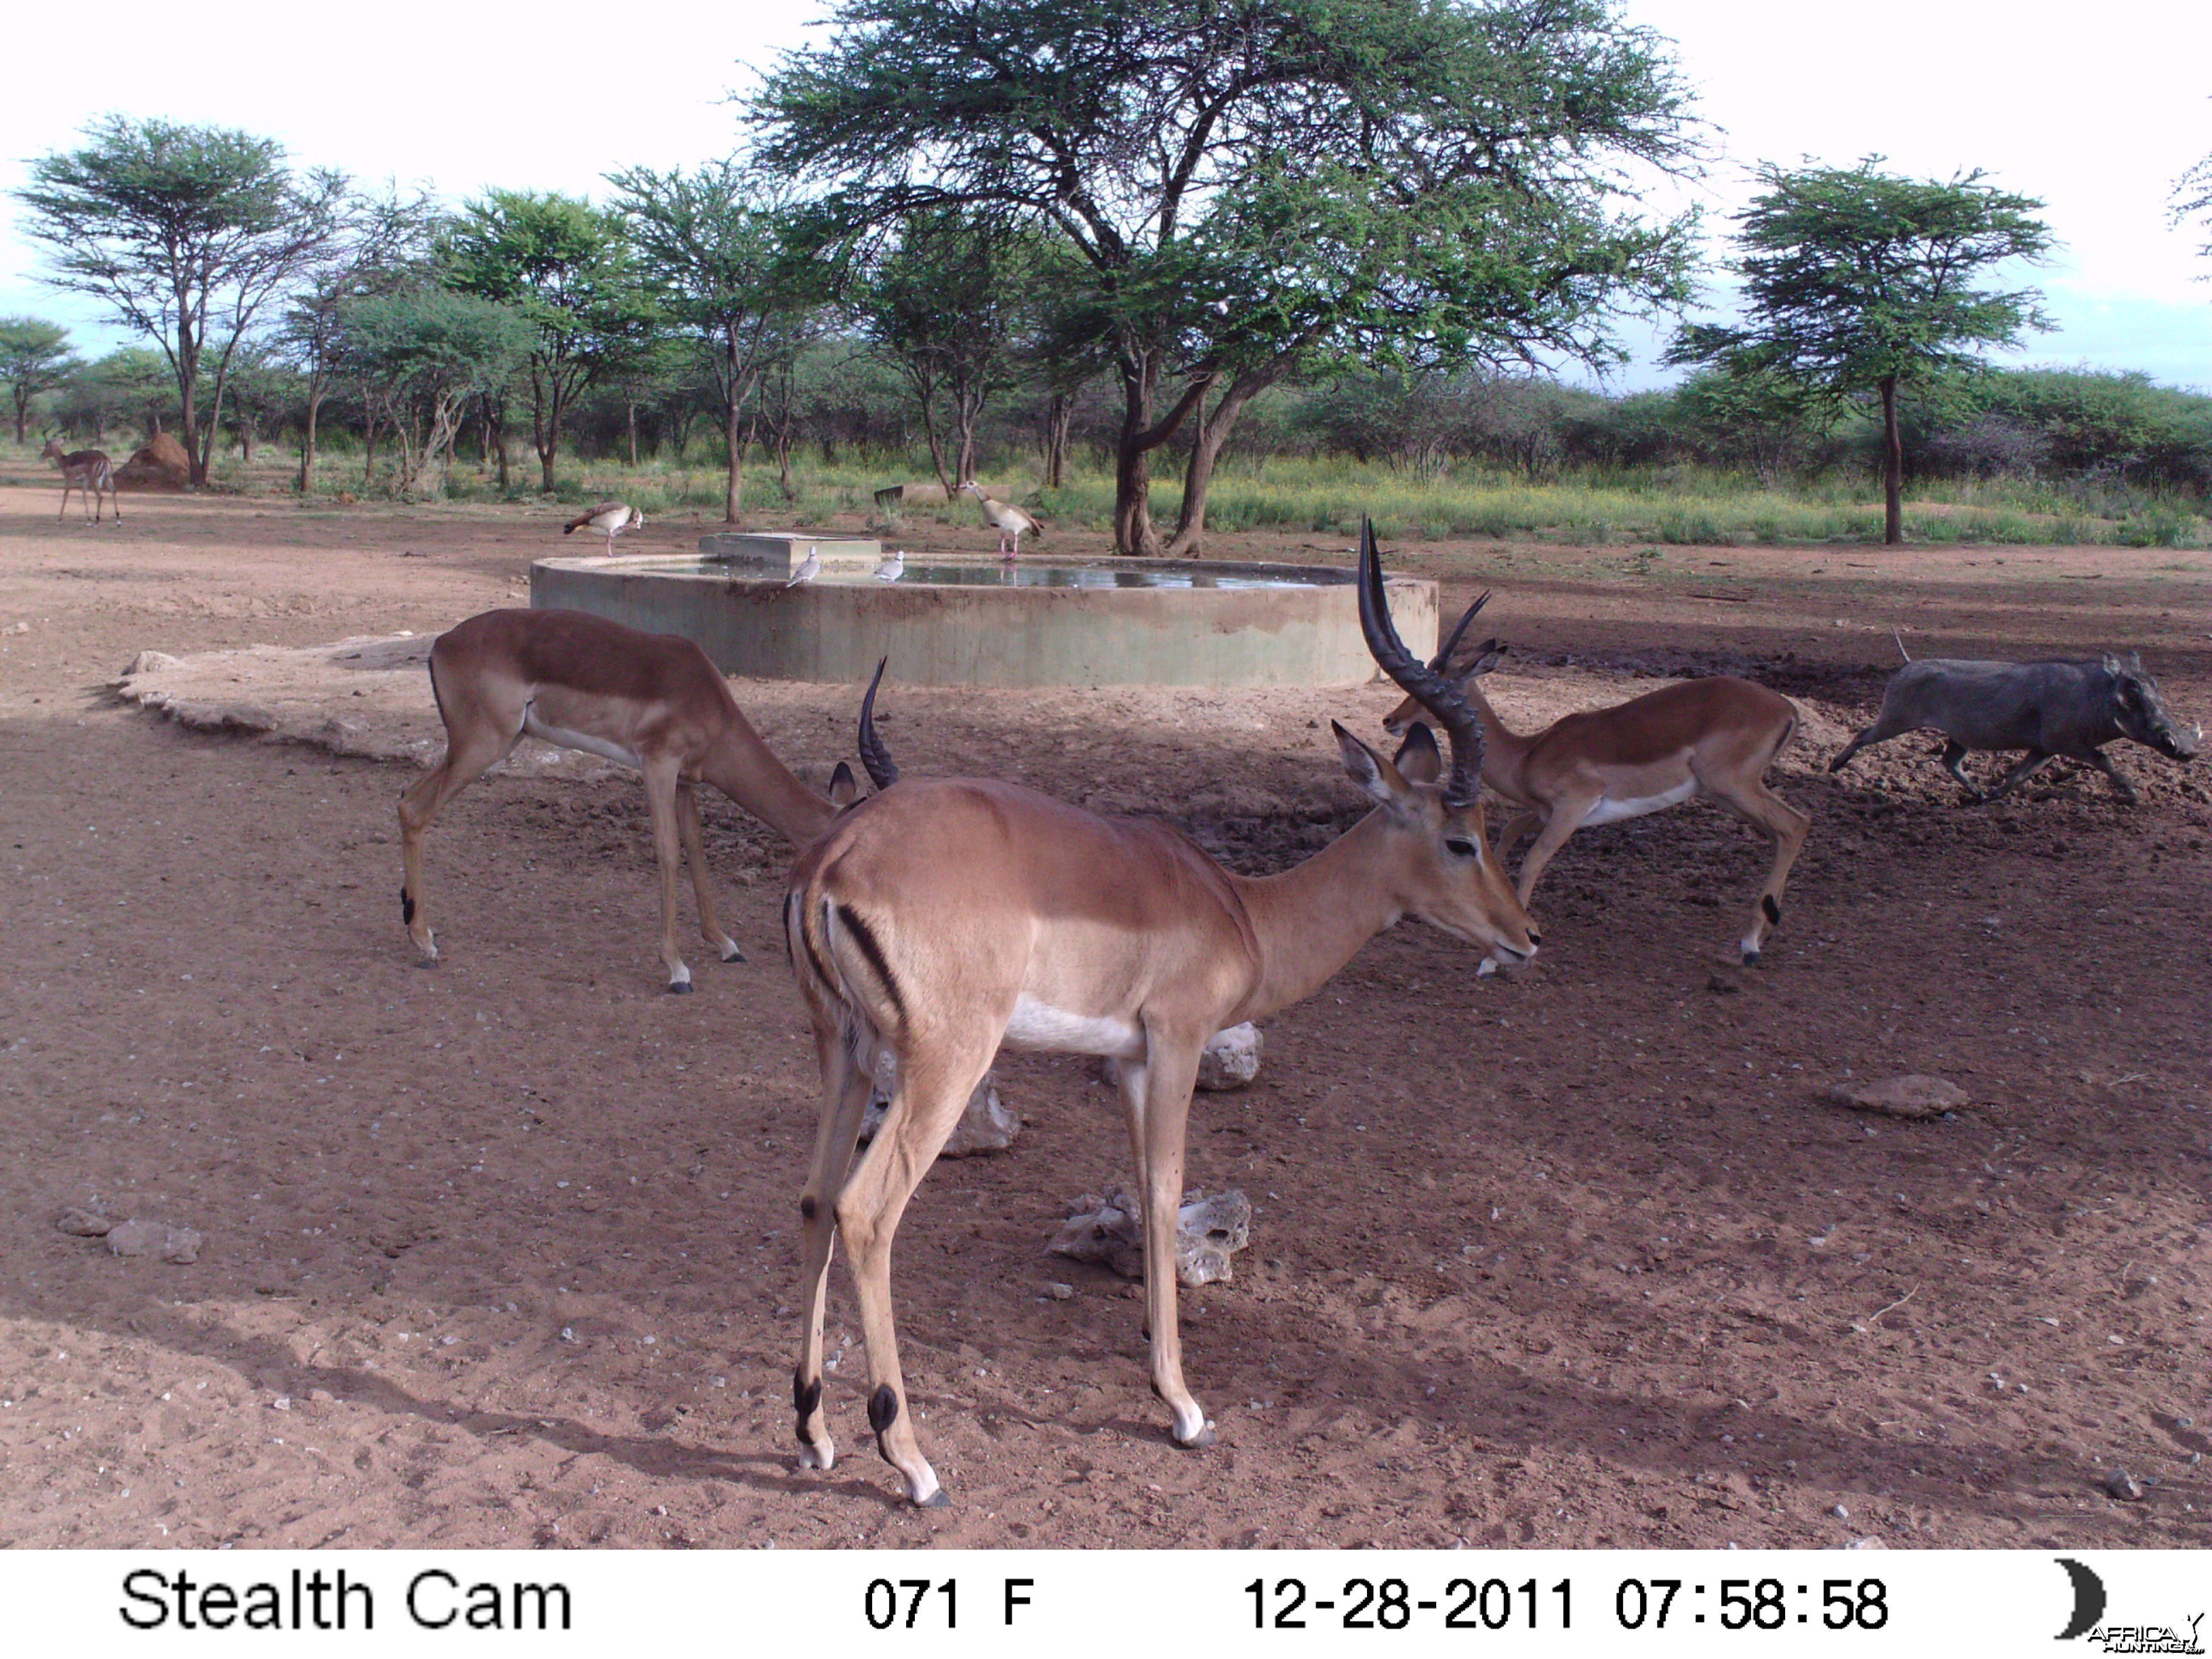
(2088, 1599)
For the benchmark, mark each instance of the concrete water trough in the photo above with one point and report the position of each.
(950, 620)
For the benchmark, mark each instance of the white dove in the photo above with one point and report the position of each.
(893, 568)
(809, 568)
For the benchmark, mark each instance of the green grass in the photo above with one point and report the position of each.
(1326, 495)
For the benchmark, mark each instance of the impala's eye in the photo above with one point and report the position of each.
(1465, 849)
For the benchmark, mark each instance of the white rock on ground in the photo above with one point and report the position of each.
(1110, 1228)
(1911, 1095)
(1231, 1060)
(988, 1125)
(180, 1245)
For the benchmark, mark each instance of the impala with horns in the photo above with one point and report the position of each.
(941, 919)
(650, 701)
(1714, 737)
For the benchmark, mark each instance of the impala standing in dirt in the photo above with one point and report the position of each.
(87, 471)
(942, 919)
(650, 700)
(1713, 737)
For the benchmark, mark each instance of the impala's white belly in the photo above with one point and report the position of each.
(1054, 1031)
(1612, 812)
(562, 738)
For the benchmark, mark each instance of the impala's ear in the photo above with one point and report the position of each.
(1376, 776)
(843, 789)
(1417, 758)
(1487, 656)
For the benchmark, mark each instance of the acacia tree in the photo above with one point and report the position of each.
(34, 358)
(260, 385)
(561, 263)
(186, 233)
(1255, 184)
(728, 263)
(130, 385)
(420, 356)
(1857, 282)
(381, 243)
(944, 301)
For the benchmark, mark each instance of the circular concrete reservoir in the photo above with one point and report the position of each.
(954, 621)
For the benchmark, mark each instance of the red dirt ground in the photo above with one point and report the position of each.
(504, 1252)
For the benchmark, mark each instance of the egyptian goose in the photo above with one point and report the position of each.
(610, 518)
(1009, 521)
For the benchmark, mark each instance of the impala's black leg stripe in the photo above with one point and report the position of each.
(865, 937)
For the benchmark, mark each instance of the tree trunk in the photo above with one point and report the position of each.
(969, 409)
(1056, 421)
(23, 413)
(734, 490)
(630, 405)
(1132, 466)
(1893, 466)
(545, 427)
(308, 438)
(1134, 536)
(926, 395)
(1204, 451)
(188, 386)
(368, 449)
(202, 461)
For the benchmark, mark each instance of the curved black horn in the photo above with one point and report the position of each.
(1426, 685)
(1442, 661)
(873, 755)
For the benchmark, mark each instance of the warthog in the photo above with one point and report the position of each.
(2048, 708)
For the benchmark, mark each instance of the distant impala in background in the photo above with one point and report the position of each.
(87, 471)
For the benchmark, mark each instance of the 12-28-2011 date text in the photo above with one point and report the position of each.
(1464, 1603)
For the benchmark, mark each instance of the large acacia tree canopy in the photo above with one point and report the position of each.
(1253, 179)
(432, 340)
(1852, 276)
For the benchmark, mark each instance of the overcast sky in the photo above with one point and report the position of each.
(2096, 110)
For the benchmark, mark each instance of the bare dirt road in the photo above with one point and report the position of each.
(503, 1253)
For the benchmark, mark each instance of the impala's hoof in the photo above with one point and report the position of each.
(1751, 958)
(1198, 1442)
(734, 954)
(679, 988)
(939, 1500)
